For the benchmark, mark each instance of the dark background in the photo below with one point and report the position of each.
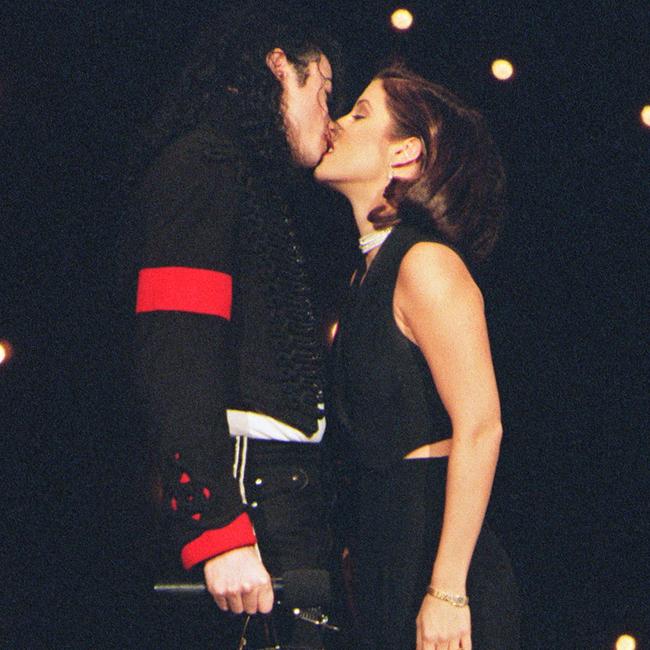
(565, 293)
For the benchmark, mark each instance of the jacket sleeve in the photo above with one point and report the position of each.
(188, 203)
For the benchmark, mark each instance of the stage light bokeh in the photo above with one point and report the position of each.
(5, 352)
(401, 19)
(626, 642)
(645, 115)
(331, 332)
(502, 69)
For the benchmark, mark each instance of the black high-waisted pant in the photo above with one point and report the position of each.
(397, 523)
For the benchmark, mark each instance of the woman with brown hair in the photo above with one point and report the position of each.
(414, 382)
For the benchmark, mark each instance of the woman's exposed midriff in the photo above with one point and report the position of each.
(431, 450)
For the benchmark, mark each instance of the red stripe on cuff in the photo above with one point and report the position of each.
(236, 534)
(180, 288)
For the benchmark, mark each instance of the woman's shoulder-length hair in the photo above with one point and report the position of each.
(460, 189)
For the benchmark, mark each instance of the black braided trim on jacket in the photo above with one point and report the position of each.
(276, 284)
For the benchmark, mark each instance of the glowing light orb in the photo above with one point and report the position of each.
(5, 351)
(401, 19)
(626, 642)
(502, 69)
(645, 115)
(331, 334)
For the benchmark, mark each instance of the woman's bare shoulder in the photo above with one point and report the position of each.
(434, 270)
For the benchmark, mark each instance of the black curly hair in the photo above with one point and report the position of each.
(226, 73)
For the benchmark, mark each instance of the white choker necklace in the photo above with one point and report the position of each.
(374, 239)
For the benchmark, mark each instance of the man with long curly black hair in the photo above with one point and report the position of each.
(228, 346)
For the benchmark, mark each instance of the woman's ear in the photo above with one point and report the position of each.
(276, 61)
(406, 151)
(405, 158)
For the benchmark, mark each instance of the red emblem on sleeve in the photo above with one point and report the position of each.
(180, 288)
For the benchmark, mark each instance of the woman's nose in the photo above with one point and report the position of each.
(335, 129)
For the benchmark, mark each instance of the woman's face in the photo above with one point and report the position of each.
(360, 154)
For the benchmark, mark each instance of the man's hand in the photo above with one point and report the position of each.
(239, 582)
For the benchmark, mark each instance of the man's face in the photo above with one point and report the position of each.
(306, 116)
(360, 155)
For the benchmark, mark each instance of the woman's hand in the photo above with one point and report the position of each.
(442, 626)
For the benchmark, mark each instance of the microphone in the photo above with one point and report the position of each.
(297, 588)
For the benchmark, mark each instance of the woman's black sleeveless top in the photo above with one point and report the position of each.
(386, 401)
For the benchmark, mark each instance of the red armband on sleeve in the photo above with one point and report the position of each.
(236, 534)
(181, 288)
